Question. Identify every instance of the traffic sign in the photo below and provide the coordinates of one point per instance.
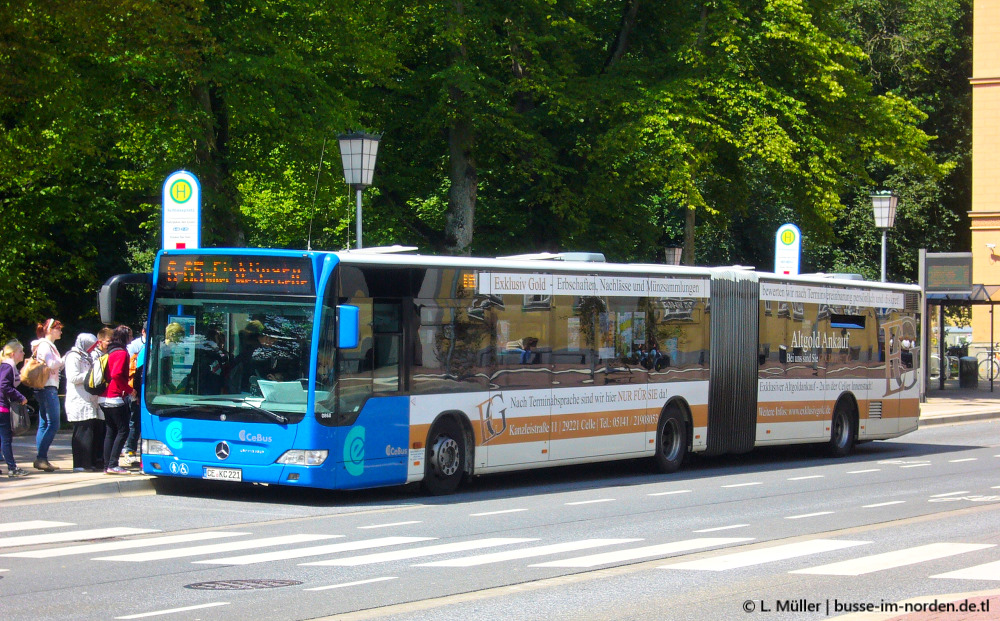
(787, 250)
(181, 211)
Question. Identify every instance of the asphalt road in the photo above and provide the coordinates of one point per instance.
(781, 533)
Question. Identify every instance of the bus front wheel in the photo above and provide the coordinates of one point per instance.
(444, 464)
(671, 441)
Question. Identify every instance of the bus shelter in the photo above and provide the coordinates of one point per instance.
(979, 295)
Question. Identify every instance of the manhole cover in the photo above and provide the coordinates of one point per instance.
(241, 585)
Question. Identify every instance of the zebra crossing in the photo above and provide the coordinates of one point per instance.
(817, 556)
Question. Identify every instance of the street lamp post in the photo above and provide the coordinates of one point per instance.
(673, 255)
(358, 151)
(884, 205)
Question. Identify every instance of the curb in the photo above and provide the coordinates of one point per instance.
(947, 419)
(138, 486)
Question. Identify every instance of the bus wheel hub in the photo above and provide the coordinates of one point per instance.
(444, 456)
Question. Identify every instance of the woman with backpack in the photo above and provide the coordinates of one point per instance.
(49, 416)
(81, 407)
(113, 402)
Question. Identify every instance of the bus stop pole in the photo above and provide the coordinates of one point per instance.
(942, 361)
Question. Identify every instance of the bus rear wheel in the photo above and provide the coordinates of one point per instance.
(671, 441)
(444, 464)
(842, 436)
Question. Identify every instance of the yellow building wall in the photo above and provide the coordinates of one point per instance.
(985, 214)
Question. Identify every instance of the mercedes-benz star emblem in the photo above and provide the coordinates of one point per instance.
(222, 450)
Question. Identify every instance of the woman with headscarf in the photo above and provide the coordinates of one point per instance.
(82, 409)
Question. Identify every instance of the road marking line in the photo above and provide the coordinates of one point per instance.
(914, 466)
(388, 525)
(589, 502)
(987, 571)
(712, 530)
(676, 491)
(31, 524)
(121, 545)
(891, 560)
(173, 610)
(485, 513)
(333, 548)
(863, 471)
(399, 555)
(956, 461)
(807, 515)
(217, 547)
(812, 476)
(884, 504)
(744, 484)
(664, 549)
(950, 494)
(3, 570)
(76, 535)
(766, 555)
(350, 584)
(498, 557)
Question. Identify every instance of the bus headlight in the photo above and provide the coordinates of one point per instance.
(153, 447)
(303, 458)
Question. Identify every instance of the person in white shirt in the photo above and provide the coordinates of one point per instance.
(49, 415)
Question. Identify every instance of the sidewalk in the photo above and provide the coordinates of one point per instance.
(942, 407)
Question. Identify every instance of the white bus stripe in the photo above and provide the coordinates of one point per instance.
(676, 491)
(76, 535)
(485, 513)
(712, 530)
(987, 571)
(31, 525)
(122, 545)
(214, 548)
(333, 548)
(350, 584)
(498, 557)
(807, 515)
(766, 555)
(173, 610)
(399, 555)
(890, 560)
(632, 554)
(390, 524)
(884, 504)
(589, 502)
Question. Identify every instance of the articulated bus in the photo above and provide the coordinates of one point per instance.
(359, 369)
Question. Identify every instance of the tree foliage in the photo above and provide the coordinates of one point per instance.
(620, 126)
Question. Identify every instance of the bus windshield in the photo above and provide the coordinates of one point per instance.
(210, 356)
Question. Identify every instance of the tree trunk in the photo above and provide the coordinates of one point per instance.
(220, 221)
(620, 44)
(687, 255)
(459, 221)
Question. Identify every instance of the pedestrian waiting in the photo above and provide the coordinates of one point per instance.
(116, 410)
(12, 354)
(49, 415)
(82, 408)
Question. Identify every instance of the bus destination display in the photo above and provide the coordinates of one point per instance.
(237, 274)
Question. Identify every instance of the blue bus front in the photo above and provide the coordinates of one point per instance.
(239, 381)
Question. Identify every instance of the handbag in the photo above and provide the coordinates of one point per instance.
(20, 419)
(34, 373)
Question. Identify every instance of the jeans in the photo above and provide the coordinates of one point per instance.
(6, 440)
(48, 420)
(134, 425)
(116, 419)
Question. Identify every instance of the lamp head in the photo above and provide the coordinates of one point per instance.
(991, 246)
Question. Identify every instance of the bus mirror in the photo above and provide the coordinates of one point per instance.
(348, 327)
(107, 298)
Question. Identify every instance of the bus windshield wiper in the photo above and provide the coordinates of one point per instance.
(272, 415)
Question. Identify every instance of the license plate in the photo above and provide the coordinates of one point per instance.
(223, 474)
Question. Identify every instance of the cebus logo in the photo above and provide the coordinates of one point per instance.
(354, 452)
